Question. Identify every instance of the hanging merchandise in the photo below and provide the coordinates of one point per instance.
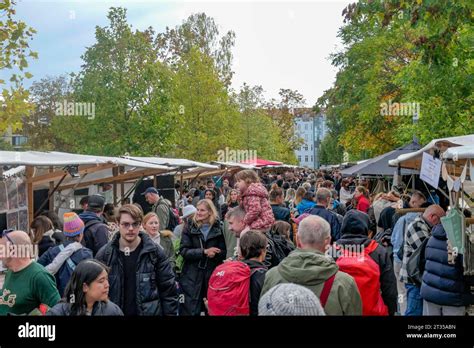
(452, 224)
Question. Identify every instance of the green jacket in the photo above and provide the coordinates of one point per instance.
(161, 209)
(311, 269)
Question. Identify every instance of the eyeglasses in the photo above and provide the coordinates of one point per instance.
(127, 225)
(5, 234)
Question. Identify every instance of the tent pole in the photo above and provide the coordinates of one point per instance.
(29, 192)
(51, 189)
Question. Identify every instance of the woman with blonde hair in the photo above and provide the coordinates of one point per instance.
(203, 249)
(151, 225)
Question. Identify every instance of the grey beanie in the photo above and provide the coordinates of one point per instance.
(289, 299)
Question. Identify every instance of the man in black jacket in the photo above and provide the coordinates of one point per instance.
(96, 233)
(141, 279)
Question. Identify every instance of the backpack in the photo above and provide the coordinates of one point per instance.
(173, 218)
(228, 293)
(366, 273)
(416, 264)
(280, 246)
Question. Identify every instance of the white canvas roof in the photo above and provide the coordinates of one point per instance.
(57, 159)
(173, 162)
(412, 160)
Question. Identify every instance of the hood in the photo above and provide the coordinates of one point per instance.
(256, 189)
(355, 222)
(307, 267)
(354, 239)
(88, 216)
(439, 232)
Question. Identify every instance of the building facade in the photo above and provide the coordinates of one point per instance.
(312, 129)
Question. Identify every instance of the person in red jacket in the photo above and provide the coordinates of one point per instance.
(360, 196)
(258, 212)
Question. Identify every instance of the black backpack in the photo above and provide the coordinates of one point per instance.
(172, 218)
(416, 264)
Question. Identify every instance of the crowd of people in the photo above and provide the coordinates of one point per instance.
(304, 242)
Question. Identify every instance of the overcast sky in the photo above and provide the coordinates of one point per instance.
(279, 44)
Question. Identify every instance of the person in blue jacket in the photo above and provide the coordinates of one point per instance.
(61, 260)
(307, 202)
(444, 289)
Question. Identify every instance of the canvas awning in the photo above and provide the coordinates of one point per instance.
(378, 166)
(413, 160)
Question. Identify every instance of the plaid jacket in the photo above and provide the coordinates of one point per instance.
(415, 234)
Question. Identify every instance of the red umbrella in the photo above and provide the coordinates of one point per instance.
(259, 162)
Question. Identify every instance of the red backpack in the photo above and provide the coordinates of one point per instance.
(366, 274)
(229, 289)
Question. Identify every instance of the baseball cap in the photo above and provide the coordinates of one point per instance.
(151, 190)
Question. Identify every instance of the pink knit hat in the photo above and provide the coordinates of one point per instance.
(73, 225)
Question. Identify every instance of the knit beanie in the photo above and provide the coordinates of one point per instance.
(289, 299)
(73, 225)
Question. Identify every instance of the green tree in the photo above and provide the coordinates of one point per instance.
(260, 132)
(206, 120)
(130, 89)
(200, 32)
(14, 54)
(45, 94)
(401, 52)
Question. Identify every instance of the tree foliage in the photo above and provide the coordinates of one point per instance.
(14, 54)
(401, 52)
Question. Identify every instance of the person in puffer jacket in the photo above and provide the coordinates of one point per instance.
(444, 288)
(255, 202)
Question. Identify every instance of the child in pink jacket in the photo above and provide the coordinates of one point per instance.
(259, 214)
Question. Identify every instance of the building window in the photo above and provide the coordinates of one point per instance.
(299, 158)
(18, 140)
(306, 126)
(311, 158)
(311, 147)
(306, 147)
(306, 158)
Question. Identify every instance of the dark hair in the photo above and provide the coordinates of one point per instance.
(252, 243)
(210, 181)
(84, 200)
(211, 191)
(281, 228)
(109, 212)
(309, 195)
(40, 224)
(275, 193)
(286, 185)
(85, 273)
(279, 182)
(54, 219)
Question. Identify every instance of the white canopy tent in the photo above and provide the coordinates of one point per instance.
(64, 171)
(413, 160)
